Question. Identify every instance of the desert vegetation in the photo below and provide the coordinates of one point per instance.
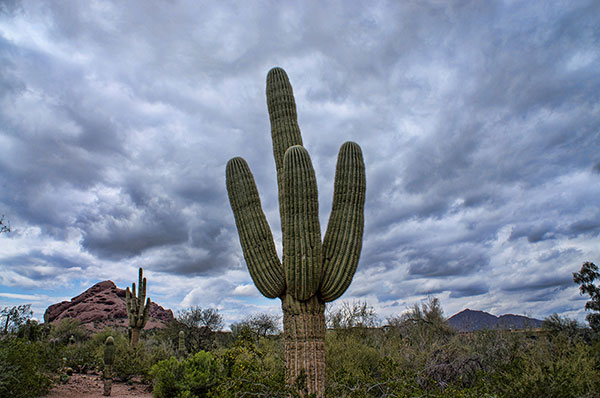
(414, 354)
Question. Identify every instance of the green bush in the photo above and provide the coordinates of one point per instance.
(24, 368)
(168, 378)
(190, 378)
(549, 367)
(81, 356)
(67, 327)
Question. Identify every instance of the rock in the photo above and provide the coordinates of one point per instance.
(103, 305)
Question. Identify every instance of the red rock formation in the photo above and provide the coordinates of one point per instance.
(103, 305)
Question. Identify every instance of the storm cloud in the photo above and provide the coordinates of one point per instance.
(478, 123)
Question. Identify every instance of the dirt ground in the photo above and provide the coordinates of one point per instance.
(91, 386)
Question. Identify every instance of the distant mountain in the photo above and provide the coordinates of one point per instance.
(471, 320)
(103, 305)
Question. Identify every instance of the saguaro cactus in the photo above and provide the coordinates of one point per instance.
(109, 358)
(137, 312)
(312, 272)
(181, 348)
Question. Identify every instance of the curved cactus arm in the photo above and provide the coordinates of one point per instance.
(302, 233)
(284, 121)
(343, 239)
(132, 304)
(128, 304)
(253, 229)
(143, 319)
(142, 290)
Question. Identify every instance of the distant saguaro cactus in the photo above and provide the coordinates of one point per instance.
(181, 348)
(313, 272)
(109, 358)
(137, 312)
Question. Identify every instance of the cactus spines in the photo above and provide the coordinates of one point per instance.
(109, 358)
(137, 312)
(301, 232)
(253, 229)
(343, 240)
(312, 271)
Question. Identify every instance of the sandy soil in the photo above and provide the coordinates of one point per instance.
(91, 386)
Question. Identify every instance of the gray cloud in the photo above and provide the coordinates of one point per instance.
(478, 125)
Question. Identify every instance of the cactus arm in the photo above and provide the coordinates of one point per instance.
(253, 229)
(128, 303)
(142, 292)
(134, 301)
(146, 314)
(302, 233)
(141, 297)
(343, 239)
(284, 121)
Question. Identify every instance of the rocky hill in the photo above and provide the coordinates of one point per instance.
(103, 305)
(471, 320)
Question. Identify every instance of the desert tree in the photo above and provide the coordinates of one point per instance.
(261, 324)
(4, 225)
(199, 325)
(15, 317)
(585, 279)
(357, 314)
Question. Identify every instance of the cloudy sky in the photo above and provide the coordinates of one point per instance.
(479, 124)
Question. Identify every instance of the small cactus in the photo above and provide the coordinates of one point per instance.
(181, 350)
(137, 312)
(109, 358)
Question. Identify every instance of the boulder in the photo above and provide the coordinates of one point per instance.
(103, 305)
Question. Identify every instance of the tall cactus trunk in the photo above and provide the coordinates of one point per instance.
(135, 337)
(304, 339)
(107, 380)
(109, 358)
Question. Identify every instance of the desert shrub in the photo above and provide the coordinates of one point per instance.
(129, 362)
(24, 368)
(81, 356)
(343, 349)
(254, 366)
(168, 378)
(31, 330)
(549, 367)
(62, 331)
(191, 377)
(150, 352)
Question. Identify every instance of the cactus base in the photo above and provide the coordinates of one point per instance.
(304, 339)
(135, 337)
(107, 376)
